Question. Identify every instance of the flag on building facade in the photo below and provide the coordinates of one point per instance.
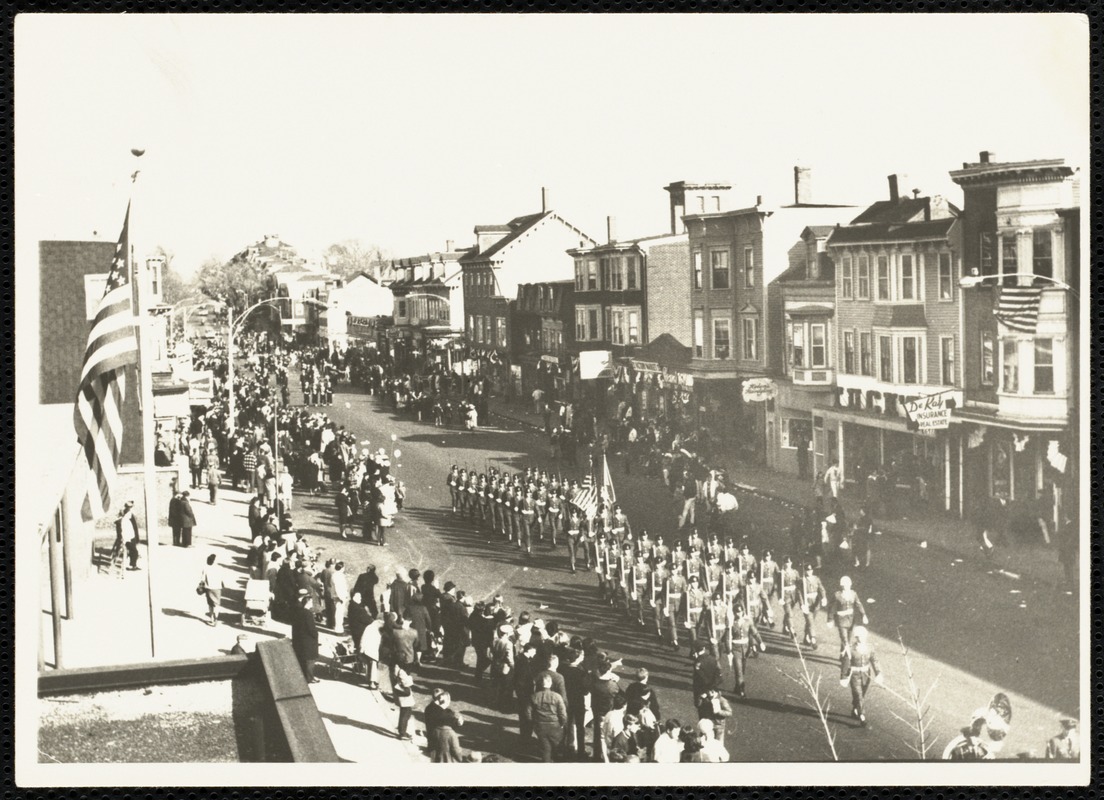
(112, 346)
(1018, 307)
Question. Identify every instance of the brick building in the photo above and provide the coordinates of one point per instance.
(543, 337)
(897, 336)
(1021, 232)
(428, 312)
(527, 249)
(734, 255)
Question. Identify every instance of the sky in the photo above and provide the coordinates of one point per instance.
(407, 131)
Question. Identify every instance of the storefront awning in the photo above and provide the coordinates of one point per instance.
(1016, 424)
(868, 420)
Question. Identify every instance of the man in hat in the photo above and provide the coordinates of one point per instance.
(502, 665)
(844, 608)
(187, 519)
(811, 595)
(174, 517)
(746, 641)
(1066, 745)
(857, 666)
(788, 579)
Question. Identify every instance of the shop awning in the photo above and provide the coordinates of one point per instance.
(810, 311)
(889, 423)
(1017, 424)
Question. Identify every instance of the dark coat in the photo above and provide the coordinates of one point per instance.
(707, 675)
(174, 513)
(187, 516)
(304, 634)
(359, 619)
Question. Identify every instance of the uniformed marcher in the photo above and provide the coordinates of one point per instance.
(661, 553)
(753, 596)
(452, 480)
(693, 604)
(768, 570)
(713, 574)
(788, 579)
(619, 525)
(845, 606)
(575, 538)
(554, 515)
(812, 596)
(746, 641)
(674, 600)
(857, 666)
(658, 593)
(528, 521)
(639, 582)
(716, 625)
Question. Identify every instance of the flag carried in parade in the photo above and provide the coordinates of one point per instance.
(1018, 307)
(590, 495)
(112, 346)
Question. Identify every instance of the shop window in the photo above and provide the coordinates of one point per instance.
(1044, 366)
(1010, 366)
(1042, 259)
(1001, 468)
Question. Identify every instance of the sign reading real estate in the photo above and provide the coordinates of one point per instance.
(932, 412)
(759, 390)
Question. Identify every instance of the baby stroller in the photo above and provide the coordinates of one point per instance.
(257, 599)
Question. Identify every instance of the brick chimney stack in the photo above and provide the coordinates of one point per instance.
(611, 229)
(803, 185)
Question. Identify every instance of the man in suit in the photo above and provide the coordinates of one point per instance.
(187, 519)
(174, 518)
(304, 635)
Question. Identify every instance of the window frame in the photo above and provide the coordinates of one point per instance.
(749, 344)
(913, 281)
(988, 261)
(1036, 366)
(947, 359)
(944, 277)
(797, 361)
(886, 281)
(697, 267)
(885, 348)
(592, 275)
(862, 279)
(1009, 245)
(918, 365)
(866, 354)
(847, 278)
(632, 274)
(1047, 235)
(823, 326)
(1010, 347)
(749, 267)
(699, 333)
(714, 271)
(988, 357)
(726, 322)
(849, 352)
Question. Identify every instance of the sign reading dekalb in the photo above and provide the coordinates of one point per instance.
(759, 390)
(932, 412)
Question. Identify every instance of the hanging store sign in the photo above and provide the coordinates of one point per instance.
(547, 359)
(932, 412)
(595, 364)
(645, 367)
(364, 322)
(759, 390)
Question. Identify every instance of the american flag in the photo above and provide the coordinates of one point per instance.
(112, 346)
(590, 495)
(1018, 307)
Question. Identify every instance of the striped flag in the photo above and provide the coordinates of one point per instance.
(1018, 307)
(609, 496)
(590, 495)
(112, 346)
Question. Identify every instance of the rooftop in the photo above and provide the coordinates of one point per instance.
(890, 232)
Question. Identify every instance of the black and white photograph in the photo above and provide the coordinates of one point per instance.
(564, 399)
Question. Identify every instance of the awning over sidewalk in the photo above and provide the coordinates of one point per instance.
(1018, 424)
(869, 420)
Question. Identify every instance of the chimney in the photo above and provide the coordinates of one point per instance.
(544, 200)
(987, 156)
(896, 183)
(611, 229)
(758, 200)
(448, 245)
(803, 185)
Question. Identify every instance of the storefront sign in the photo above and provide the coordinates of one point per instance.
(759, 390)
(364, 322)
(645, 367)
(550, 359)
(932, 412)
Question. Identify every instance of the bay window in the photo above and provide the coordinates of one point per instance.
(818, 349)
(1044, 366)
(910, 359)
(1010, 366)
(797, 348)
(1042, 258)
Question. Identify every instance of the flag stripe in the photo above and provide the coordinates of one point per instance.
(1018, 307)
(97, 416)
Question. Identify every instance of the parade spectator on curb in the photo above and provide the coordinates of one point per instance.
(502, 666)
(339, 597)
(214, 478)
(604, 689)
(442, 723)
(548, 716)
(625, 746)
(187, 519)
(175, 518)
(369, 647)
(365, 585)
(668, 747)
(712, 748)
(713, 707)
(403, 689)
(575, 686)
(304, 635)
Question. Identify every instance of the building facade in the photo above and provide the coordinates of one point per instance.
(543, 337)
(527, 249)
(734, 255)
(428, 310)
(359, 297)
(1021, 259)
(898, 338)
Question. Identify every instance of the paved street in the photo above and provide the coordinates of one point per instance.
(968, 630)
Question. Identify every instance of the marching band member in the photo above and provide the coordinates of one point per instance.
(788, 579)
(767, 573)
(857, 664)
(811, 595)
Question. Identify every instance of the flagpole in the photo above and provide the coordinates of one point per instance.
(145, 382)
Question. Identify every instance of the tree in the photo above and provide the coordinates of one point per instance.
(353, 256)
(238, 282)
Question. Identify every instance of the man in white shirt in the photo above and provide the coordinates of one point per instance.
(668, 747)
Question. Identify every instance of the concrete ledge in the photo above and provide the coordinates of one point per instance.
(127, 676)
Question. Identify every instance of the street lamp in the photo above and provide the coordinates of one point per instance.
(973, 280)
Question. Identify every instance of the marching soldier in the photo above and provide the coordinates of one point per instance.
(731, 551)
(811, 595)
(716, 548)
(661, 553)
(845, 605)
(755, 599)
(788, 579)
(745, 641)
(604, 569)
(528, 520)
(767, 573)
(496, 505)
(575, 538)
(486, 499)
(657, 591)
(461, 490)
(645, 544)
(732, 584)
(481, 498)
(714, 573)
(452, 480)
(694, 565)
(472, 489)
(542, 509)
(619, 525)
(693, 604)
(554, 515)
(639, 583)
(716, 624)
(745, 560)
(675, 590)
(857, 665)
(695, 542)
(678, 560)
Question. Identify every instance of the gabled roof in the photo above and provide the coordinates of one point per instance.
(800, 272)
(664, 349)
(513, 229)
(935, 229)
(901, 210)
(819, 231)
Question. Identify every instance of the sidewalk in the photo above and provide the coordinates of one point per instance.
(930, 530)
(111, 625)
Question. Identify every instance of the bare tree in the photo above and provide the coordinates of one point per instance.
(238, 282)
(352, 256)
(811, 684)
(921, 710)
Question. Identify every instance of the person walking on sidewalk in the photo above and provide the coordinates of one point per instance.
(214, 478)
(403, 688)
(212, 581)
